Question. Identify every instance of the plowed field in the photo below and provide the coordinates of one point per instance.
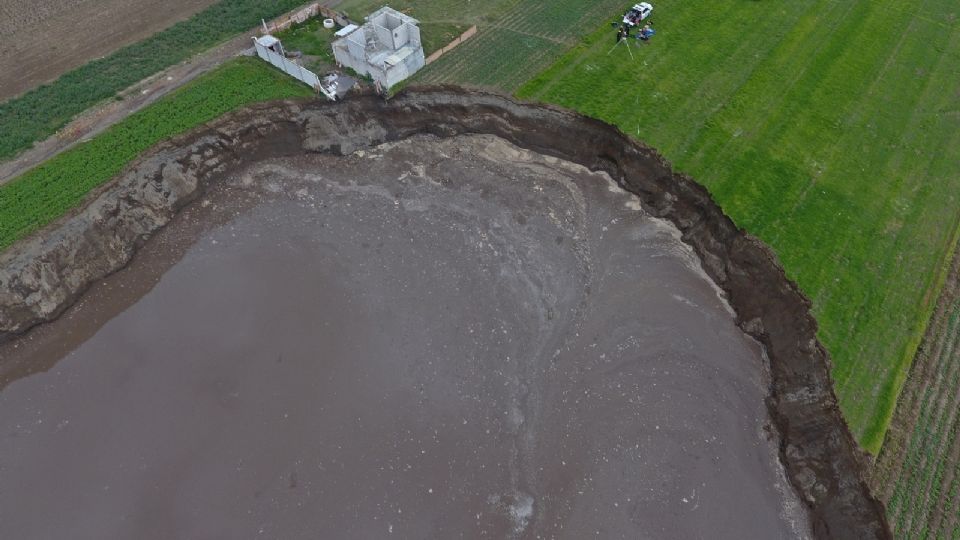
(42, 39)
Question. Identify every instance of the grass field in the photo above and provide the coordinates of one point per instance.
(925, 501)
(45, 193)
(516, 39)
(830, 129)
(39, 113)
(918, 470)
(313, 40)
(519, 40)
(309, 38)
(432, 11)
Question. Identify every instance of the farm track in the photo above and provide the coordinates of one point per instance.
(43, 39)
(98, 119)
(918, 471)
(146, 92)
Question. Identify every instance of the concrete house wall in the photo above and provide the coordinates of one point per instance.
(387, 47)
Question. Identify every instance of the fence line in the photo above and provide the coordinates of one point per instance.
(303, 15)
(453, 44)
(293, 69)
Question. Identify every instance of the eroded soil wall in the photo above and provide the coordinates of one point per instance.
(42, 275)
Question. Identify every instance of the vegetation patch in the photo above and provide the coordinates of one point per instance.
(311, 39)
(918, 470)
(48, 191)
(830, 130)
(437, 35)
(516, 40)
(430, 11)
(39, 113)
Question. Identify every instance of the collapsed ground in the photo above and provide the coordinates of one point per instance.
(452, 332)
(746, 109)
(45, 273)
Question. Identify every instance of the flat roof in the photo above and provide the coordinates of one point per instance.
(346, 30)
(267, 40)
(398, 56)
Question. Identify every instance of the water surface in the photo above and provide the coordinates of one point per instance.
(434, 339)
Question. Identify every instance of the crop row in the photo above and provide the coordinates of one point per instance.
(46, 192)
(39, 113)
(523, 40)
(497, 58)
(790, 127)
(562, 20)
(924, 501)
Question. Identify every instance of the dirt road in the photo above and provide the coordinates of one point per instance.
(145, 92)
(99, 118)
(43, 39)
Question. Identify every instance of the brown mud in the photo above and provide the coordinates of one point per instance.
(42, 276)
(439, 336)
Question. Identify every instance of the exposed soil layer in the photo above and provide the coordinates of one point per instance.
(434, 338)
(43, 39)
(44, 274)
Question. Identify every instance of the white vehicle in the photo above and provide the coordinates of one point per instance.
(637, 13)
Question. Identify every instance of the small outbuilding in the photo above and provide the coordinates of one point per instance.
(387, 47)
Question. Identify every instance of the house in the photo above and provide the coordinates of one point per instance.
(387, 47)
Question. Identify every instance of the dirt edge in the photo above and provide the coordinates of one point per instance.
(44, 274)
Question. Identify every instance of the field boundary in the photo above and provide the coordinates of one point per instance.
(39, 113)
(918, 457)
(100, 116)
(302, 15)
(46, 193)
(469, 33)
(290, 67)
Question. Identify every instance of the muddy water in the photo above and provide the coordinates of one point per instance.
(435, 339)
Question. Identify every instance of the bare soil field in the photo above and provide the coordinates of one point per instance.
(42, 39)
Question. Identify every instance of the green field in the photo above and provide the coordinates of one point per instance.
(831, 130)
(440, 20)
(39, 113)
(310, 38)
(313, 40)
(518, 40)
(918, 470)
(48, 191)
(431, 11)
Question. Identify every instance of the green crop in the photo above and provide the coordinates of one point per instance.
(517, 40)
(39, 113)
(827, 128)
(46, 192)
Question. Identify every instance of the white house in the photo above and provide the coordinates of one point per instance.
(387, 47)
